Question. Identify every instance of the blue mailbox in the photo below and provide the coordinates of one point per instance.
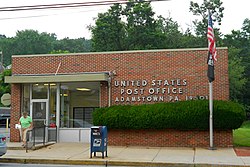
(99, 140)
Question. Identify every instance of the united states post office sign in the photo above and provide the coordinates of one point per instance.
(153, 91)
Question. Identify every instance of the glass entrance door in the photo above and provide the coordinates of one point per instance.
(39, 113)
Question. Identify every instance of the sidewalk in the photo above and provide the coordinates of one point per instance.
(79, 153)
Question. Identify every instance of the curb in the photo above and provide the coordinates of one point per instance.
(107, 163)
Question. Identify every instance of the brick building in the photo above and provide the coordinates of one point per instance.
(64, 89)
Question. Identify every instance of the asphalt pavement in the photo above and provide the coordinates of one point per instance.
(79, 154)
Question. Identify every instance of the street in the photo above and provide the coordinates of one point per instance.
(47, 165)
(42, 165)
(33, 165)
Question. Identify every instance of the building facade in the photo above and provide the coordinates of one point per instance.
(64, 89)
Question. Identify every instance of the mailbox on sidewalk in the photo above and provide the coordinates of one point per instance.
(99, 140)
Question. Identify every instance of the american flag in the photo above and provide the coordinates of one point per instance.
(211, 38)
(211, 49)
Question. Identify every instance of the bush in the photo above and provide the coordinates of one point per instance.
(183, 115)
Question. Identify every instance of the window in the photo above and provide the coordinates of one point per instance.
(77, 102)
(26, 98)
(39, 91)
(82, 117)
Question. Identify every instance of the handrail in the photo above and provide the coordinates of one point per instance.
(40, 135)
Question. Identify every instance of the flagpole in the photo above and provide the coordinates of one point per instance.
(211, 144)
(210, 74)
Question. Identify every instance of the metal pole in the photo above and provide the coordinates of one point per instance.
(58, 110)
(211, 115)
(109, 90)
(7, 125)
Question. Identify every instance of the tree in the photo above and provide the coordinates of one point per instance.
(72, 45)
(109, 32)
(237, 78)
(168, 33)
(7, 47)
(33, 42)
(216, 10)
(246, 28)
(133, 27)
(246, 58)
(4, 87)
(240, 39)
(191, 41)
(141, 26)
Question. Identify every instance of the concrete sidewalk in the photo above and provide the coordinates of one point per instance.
(79, 153)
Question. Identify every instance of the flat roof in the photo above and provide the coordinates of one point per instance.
(119, 52)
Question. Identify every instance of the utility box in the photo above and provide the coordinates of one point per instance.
(99, 140)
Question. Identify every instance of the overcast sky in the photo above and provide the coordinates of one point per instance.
(73, 22)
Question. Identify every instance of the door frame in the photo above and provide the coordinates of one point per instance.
(42, 101)
(46, 101)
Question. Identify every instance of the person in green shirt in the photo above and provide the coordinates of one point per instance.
(26, 124)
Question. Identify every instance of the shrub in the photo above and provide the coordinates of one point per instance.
(183, 115)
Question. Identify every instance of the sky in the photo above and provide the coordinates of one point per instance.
(73, 22)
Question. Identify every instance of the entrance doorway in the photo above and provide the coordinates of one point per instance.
(39, 114)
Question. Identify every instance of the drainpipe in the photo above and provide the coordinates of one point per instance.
(109, 87)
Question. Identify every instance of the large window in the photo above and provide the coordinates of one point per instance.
(78, 101)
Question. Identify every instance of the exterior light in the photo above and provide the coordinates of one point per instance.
(83, 89)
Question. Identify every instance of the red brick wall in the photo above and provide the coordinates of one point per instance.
(15, 111)
(184, 64)
(104, 94)
(168, 138)
(189, 65)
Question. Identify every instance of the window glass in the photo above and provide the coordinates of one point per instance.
(78, 101)
(82, 117)
(26, 98)
(52, 105)
(39, 91)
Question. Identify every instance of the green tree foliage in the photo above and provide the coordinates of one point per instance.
(246, 59)
(109, 32)
(26, 42)
(191, 41)
(168, 34)
(141, 26)
(59, 52)
(240, 39)
(216, 10)
(7, 47)
(129, 28)
(238, 43)
(237, 78)
(33, 42)
(4, 87)
(72, 45)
